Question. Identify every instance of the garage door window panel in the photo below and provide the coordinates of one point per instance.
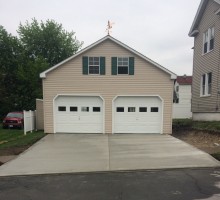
(62, 108)
(120, 109)
(84, 109)
(131, 109)
(73, 109)
(142, 109)
(154, 109)
(96, 109)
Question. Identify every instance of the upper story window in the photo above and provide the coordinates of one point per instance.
(94, 65)
(208, 40)
(122, 65)
(206, 84)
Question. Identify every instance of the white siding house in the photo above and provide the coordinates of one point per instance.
(182, 100)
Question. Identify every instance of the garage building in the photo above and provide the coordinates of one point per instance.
(108, 88)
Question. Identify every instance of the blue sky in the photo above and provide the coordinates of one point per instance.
(158, 29)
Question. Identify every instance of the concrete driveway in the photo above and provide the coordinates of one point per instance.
(66, 153)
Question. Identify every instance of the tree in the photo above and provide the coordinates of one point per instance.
(38, 47)
(11, 53)
(29, 83)
(48, 40)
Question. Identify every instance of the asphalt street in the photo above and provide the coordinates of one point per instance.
(181, 184)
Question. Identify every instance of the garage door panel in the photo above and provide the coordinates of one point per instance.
(82, 114)
(145, 115)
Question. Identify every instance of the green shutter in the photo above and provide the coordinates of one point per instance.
(131, 65)
(85, 65)
(102, 65)
(114, 65)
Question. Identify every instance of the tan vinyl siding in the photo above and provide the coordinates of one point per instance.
(206, 63)
(39, 114)
(147, 80)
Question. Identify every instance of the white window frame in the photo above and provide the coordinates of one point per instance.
(206, 88)
(93, 65)
(122, 64)
(208, 35)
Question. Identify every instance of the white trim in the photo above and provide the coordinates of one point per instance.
(173, 76)
(78, 95)
(194, 33)
(113, 106)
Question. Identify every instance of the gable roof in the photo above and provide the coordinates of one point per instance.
(184, 80)
(108, 37)
(202, 6)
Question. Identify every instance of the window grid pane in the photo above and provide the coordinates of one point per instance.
(208, 40)
(94, 65)
(206, 84)
(123, 64)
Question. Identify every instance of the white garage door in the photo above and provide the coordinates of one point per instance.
(78, 114)
(137, 115)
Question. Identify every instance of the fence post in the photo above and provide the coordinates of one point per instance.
(31, 124)
(24, 122)
(35, 120)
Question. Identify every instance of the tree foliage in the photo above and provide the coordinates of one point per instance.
(10, 57)
(37, 47)
(48, 40)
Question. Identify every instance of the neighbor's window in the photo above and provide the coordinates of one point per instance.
(206, 84)
(94, 65)
(123, 63)
(208, 40)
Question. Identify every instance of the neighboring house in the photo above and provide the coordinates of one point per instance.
(206, 61)
(182, 97)
(108, 87)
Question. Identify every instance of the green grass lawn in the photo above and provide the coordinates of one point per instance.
(196, 125)
(10, 138)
